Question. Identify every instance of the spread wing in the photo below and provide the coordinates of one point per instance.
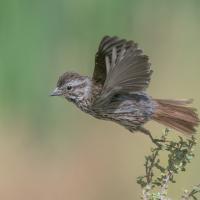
(120, 67)
(105, 50)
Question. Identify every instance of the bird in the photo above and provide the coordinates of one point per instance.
(117, 91)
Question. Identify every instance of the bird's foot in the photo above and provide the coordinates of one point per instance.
(157, 142)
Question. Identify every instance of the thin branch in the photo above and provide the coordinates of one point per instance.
(187, 195)
(180, 153)
(164, 186)
(145, 194)
(149, 168)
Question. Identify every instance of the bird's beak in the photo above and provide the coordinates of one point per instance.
(56, 92)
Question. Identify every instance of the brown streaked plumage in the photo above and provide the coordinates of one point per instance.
(116, 92)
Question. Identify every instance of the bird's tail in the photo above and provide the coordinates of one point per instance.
(177, 115)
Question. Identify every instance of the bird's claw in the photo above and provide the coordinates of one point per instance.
(158, 142)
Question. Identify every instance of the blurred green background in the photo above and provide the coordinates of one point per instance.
(48, 148)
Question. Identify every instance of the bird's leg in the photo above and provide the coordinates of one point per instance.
(147, 132)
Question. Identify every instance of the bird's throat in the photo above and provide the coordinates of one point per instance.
(90, 93)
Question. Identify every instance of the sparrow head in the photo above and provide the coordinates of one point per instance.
(72, 86)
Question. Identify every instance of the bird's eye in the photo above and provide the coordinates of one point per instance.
(69, 87)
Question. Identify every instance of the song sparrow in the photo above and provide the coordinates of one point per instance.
(116, 91)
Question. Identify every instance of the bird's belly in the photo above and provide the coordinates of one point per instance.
(129, 113)
(125, 119)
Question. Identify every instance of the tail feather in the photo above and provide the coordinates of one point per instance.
(177, 115)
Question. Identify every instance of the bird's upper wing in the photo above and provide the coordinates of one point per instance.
(105, 50)
(120, 67)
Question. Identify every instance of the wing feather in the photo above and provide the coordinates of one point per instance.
(120, 67)
(105, 50)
